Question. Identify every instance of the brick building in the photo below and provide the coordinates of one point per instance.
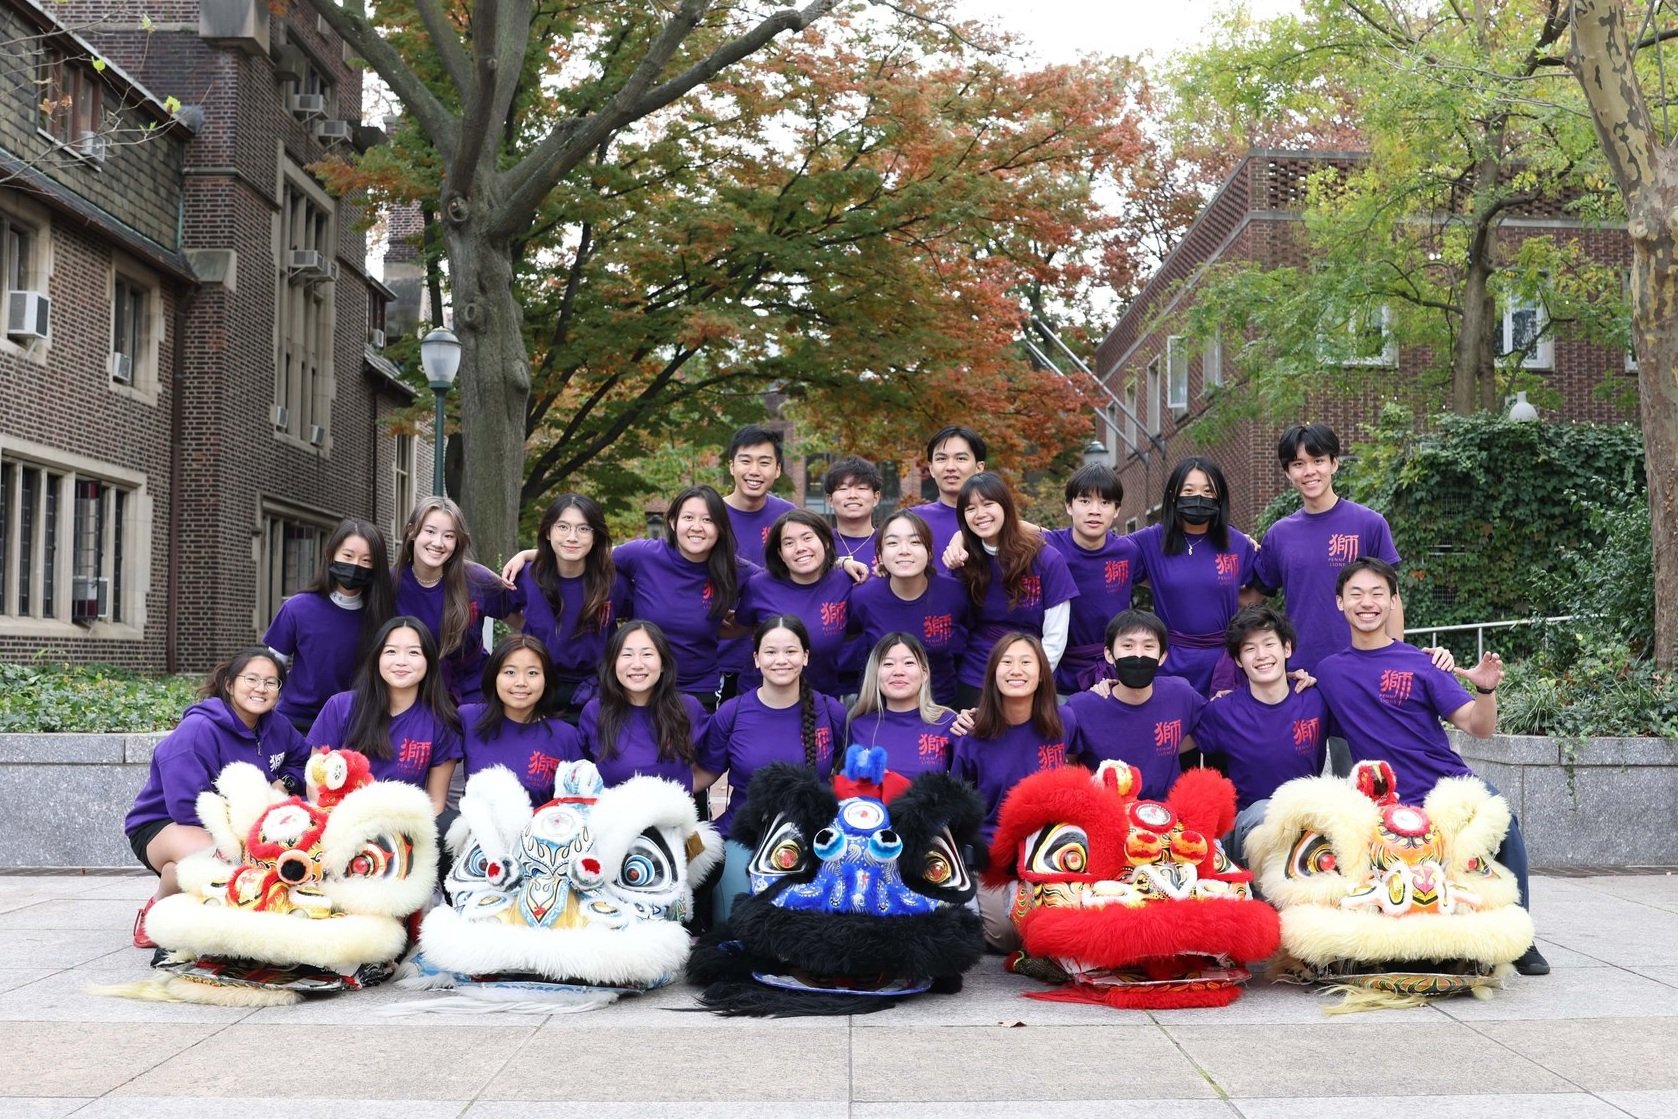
(1162, 376)
(194, 393)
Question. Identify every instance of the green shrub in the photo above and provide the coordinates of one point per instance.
(1596, 696)
(90, 698)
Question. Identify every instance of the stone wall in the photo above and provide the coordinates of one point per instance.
(66, 796)
(1585, 801)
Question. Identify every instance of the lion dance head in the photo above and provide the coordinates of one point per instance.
(1393, 903)
(1124, 901)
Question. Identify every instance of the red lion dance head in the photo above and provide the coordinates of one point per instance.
(1124, 901)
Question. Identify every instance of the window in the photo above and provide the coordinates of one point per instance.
(17, 255)
(1177, 372)
(1371, 339)
(1153, 397)
(128, 330)
(291, 547)
(1212, 364)
(1130, 418)
(65, 539)
(1130, 525)
(1526, 332)
(815, 498)
(312, 79)
(303, 385)
(70, 100)
(403, 496)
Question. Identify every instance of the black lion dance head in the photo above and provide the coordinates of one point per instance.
(859, 893)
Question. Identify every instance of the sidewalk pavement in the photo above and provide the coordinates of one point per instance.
(1597, 1037)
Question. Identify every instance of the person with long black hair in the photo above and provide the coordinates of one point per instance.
(1197, 565)
(800, 577)
(399, 713)
(438, 583)
(321, 633)
(639, 723)
(781, 720)
(572, 596)
(518, 725)
(1015, 582)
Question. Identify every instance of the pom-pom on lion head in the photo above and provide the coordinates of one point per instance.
(1125, 901)
(1376, 895)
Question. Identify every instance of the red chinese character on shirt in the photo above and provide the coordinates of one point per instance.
(932, 747)
(1051, 755)
(1031, 590)
(833, 616)
(765, 539)
(1118, 572)
(1342, 548)
(937, 628)
(1228, 564)
(1168, 736)
(1395, 686)
(1305, 733)
(414, 756)
(709, 592)
(824, 745)
(542, 766)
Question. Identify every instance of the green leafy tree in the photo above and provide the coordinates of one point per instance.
(1457, 120)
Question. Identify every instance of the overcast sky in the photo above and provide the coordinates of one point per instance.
(1064, 29)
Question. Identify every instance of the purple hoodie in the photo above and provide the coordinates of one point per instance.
(208, 738)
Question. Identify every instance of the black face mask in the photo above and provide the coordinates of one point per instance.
(1135, 672)
(1197, 510)
(350, 576)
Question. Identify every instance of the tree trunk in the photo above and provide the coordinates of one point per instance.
(494, 380)
(1654, 302)
(1471, 364)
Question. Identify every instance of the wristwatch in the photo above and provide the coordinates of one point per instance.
(1485, 691)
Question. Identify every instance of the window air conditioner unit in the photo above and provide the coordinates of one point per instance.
(307, 105)
(90, 598)
(94, 146)
(377, 337)
(329, 269)
(282, 418)
(317, 435)
(333, 131)
(122, 368)
(27, 313)
(305, 260)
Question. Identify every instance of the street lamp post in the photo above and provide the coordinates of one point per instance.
(440, 357)
(1097, 454)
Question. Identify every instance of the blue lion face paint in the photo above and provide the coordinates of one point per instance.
(858, 872)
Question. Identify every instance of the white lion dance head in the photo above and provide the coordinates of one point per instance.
(574, 902)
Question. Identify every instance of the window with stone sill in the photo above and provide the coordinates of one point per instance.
(65, 542)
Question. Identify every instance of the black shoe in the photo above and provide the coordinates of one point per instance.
(1532, 962)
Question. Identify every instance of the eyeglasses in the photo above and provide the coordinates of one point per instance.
(579, 531)
(266, 683)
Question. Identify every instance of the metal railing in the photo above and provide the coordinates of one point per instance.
(1480, 629)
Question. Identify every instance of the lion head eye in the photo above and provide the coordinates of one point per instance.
(1312, 854)
(782, 851)
(1059, 849)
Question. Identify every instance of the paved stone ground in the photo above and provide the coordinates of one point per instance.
(1598, 1037)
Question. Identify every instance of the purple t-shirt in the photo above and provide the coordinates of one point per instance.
(1264, 744)
(636, 748)
(1302, 557)
(751, 533)
(1147, 735)
(208, 739)
(575, 649)
(463, 669)
(1049, 584)
(745, 735)
(1103, 580)
(941, 519)
(1388, 702)
(859, 548)
(323, 641)
(853, 658)
(940, 617)
(667, 588)
(533, 751)
(994, 766)
(419, 740)
(1195, 594)
(912, 747)
(823, 607)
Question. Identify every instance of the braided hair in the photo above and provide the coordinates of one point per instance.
(806, 697)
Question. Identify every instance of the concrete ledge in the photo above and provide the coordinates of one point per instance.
(1574, 796)
(66, 796)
